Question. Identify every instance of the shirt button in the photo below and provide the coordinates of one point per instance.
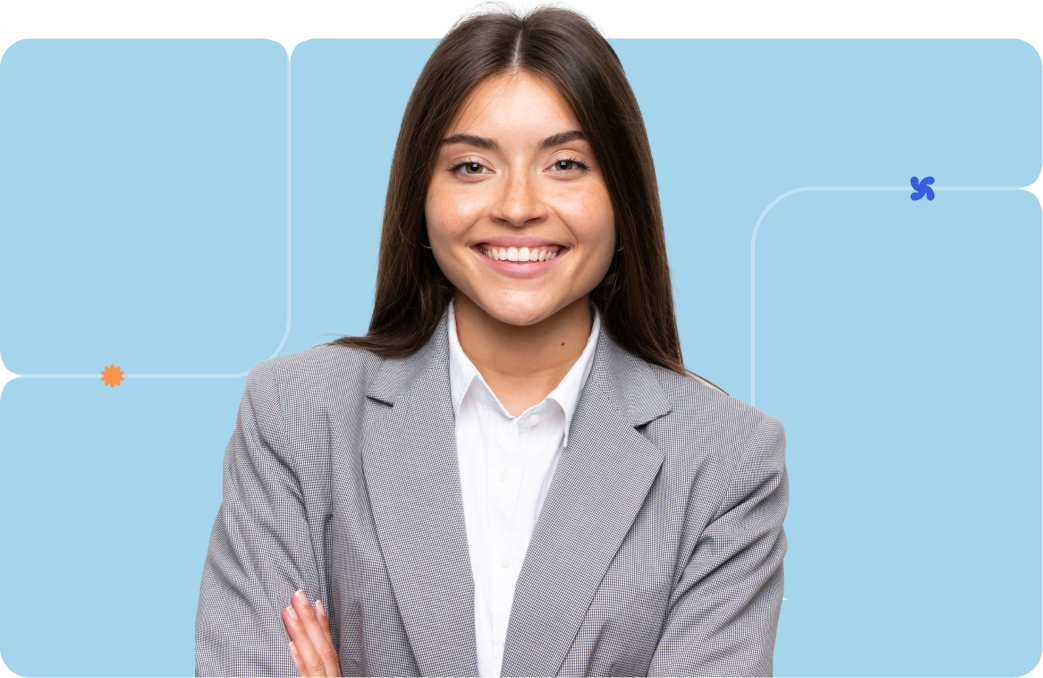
(505, 560)
(504, 475)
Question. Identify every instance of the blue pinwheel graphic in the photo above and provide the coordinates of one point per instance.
(922, 188)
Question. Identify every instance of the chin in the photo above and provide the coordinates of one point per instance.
(519, 313)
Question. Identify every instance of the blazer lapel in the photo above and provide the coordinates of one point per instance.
(410, 464)
(598, 488)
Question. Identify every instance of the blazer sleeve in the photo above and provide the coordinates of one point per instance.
(259, 552)
(725, 608)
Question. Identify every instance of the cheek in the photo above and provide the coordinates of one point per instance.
(589, 215)
(450, 214)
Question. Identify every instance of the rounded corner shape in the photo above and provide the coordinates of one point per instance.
(302, 42)
(270, 42)
(4, 56)
(1039, 60)
(1035, 670)
(6, 670)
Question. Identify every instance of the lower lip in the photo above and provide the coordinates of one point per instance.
(519, 269)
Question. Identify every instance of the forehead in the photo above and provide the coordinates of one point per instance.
(521, 103)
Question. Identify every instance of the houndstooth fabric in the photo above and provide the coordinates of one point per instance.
(658, 551)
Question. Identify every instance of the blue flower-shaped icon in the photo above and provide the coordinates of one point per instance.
(922, 188)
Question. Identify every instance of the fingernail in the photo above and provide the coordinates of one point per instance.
(319, 609)
(300, 596)
(293, 613)
(293, 648)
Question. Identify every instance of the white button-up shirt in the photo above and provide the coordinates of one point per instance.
(506, 467)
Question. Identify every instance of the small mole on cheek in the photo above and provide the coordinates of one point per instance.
(563, 343)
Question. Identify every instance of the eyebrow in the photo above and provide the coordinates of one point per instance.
(482, 142)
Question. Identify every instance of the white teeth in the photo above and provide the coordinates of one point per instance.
(519, 254)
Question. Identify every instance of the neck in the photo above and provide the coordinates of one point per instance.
(522, 364)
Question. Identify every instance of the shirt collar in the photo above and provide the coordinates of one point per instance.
(462, 371)
(463, 375)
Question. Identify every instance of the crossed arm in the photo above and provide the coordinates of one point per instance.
(725, 609)
(260, 549)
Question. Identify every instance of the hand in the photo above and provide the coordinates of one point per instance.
(311, 643)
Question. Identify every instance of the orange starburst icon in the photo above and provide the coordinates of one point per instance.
(112, 375)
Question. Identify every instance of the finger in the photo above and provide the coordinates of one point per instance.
(320, 642)
(291, 629)
(308, 660)
(293, 653)
(324, 620)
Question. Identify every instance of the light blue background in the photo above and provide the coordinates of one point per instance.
(143, 210)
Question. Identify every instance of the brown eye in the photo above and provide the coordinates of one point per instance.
(567, 164)
(473, 168)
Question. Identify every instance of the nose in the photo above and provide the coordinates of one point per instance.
(519, 203)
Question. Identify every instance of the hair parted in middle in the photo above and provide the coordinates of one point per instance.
(635, 297)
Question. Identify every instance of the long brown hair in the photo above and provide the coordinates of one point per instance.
(635, 297)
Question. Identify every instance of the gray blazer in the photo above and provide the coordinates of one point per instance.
(658, 550)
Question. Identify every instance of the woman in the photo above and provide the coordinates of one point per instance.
(512, 473)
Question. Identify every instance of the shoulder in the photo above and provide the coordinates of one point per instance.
(695, 401)
(318, 376)
(710, 430)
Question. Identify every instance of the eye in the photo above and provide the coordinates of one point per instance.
(568, 164)
(469, 167)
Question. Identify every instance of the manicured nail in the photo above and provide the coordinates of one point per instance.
(293, 648)
(293, 613)
(300, 596)
(319, 609)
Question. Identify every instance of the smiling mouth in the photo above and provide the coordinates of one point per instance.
(520, 254)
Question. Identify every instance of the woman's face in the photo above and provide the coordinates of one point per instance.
(518, 213)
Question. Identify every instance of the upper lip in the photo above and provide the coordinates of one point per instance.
(518, 241)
